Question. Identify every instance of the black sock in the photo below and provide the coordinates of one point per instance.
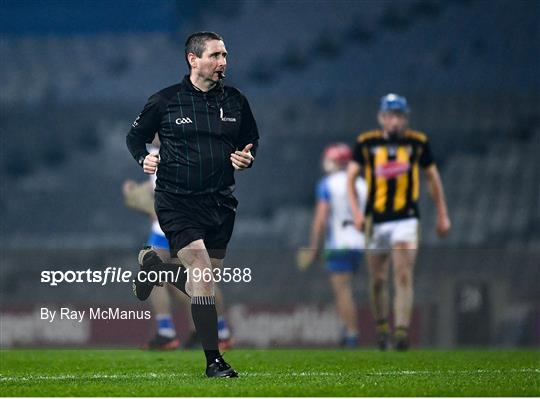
(152, 262)
(182, 275)
(382, 326)
(203, 311)
(401, 332)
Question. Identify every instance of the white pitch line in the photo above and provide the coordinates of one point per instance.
(63, 377)
(90, 377)
(438, 372)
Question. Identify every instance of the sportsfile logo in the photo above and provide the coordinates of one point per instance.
(182, 121)
(113, 274)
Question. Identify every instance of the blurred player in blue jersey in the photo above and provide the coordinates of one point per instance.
(344, 243)
(140, 197)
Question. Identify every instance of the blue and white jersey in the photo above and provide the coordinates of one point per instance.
(341, 233)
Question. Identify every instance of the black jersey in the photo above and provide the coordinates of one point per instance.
(198, 132)
(391, 169)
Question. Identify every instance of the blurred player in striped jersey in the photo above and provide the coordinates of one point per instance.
(343, 244)
(390, 159)
(141, 197)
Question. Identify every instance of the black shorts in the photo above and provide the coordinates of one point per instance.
(185, 219)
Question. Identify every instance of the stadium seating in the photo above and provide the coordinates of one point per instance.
(473, 100)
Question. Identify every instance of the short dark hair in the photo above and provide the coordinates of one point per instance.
(196, 43)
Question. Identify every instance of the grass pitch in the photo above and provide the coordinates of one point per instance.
(270, 373)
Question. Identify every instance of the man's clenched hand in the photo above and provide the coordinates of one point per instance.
(242, 159)
(151, 163)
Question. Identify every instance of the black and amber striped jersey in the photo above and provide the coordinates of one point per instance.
(390, 164)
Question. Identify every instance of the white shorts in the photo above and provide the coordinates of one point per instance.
(386, 234)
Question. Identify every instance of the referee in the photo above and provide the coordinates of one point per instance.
(207, 131)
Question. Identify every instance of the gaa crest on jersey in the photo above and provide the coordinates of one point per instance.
(183, 121)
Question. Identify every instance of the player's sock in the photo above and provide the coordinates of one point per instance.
(165, 325)
(401, 331)
(350, 339)
(180, 283)
(223, 329)
(150, 261)
(383, 332)
(382, 326)
(203, 311)
(401, 338)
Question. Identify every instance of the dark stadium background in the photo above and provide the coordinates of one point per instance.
(74, 75)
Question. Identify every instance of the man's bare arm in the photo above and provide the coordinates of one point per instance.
(353, 171)
(307, 256)
(139, 197)
(318, 225)
(437, 194)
